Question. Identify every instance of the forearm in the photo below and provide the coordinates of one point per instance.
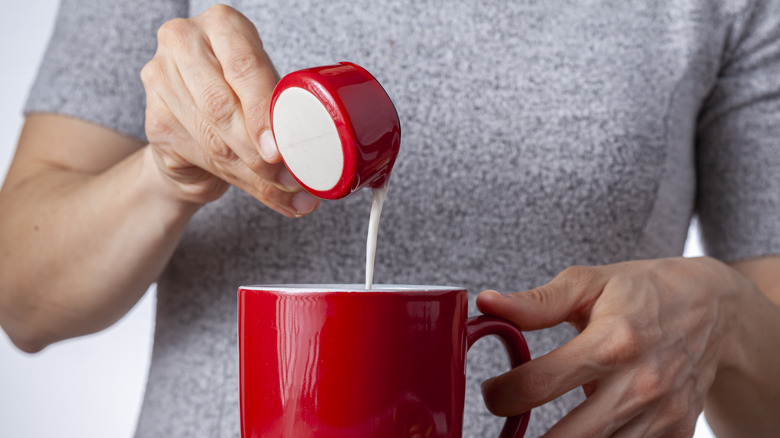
(745, 396)
(80, 249)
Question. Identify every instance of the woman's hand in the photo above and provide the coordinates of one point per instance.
(653, 336)
(208, 91)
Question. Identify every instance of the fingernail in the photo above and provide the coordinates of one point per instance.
(494, 293)
(287, 180)
(304, 202)
(268, 149)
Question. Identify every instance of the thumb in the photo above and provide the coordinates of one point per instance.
(568, 297)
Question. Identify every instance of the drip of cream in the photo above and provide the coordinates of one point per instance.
(377, 200)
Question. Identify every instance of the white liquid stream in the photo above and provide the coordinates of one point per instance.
(377, 200)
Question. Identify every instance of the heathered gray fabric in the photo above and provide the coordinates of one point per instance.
(536, 135)
(92, 67)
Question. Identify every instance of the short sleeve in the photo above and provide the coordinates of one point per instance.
(92, 64)
(738, 142)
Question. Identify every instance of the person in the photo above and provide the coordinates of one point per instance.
(553, 151)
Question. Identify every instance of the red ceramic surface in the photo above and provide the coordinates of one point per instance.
(342, 364)
(365, 118)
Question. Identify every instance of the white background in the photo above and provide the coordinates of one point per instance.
(90, 387)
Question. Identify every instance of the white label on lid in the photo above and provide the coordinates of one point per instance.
(307, 139)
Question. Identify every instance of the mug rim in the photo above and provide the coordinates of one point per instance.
(348, 287)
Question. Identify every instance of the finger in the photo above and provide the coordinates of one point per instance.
(291, 204)
(247, 69)
(546, 378)
(568, 297)
(219, 119)
(169, 117)
(287, 203)
(599, 416)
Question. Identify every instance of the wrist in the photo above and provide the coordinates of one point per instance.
(164, 191)
(734, 294)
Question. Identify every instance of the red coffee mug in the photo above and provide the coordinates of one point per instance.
(340, 361)
(336, 129)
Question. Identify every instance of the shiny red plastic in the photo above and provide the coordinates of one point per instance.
(365, 118)
(360, 364)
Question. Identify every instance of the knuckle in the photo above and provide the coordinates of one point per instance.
(542, 296)
(255, 119)
(625, 281)
(270, 194)
(651, 385)
(219, 105)
(267, 193)
(220, 11)
(216, 149)
(256, 164)
(666, 265)
(174, 31)
(256, 115)
(622, 345)
(158, 123)
(241, 65)
(151, 73)
(224, 17)
(578, 274)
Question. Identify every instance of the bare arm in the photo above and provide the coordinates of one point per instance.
(84, 227)
(745, 396)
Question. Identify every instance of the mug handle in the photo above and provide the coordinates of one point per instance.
(516, 348)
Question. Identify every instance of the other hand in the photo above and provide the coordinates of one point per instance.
(652, 336)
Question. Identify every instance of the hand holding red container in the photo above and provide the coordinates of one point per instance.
(336, 129)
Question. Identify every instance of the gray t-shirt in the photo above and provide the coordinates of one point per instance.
(536, 135)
